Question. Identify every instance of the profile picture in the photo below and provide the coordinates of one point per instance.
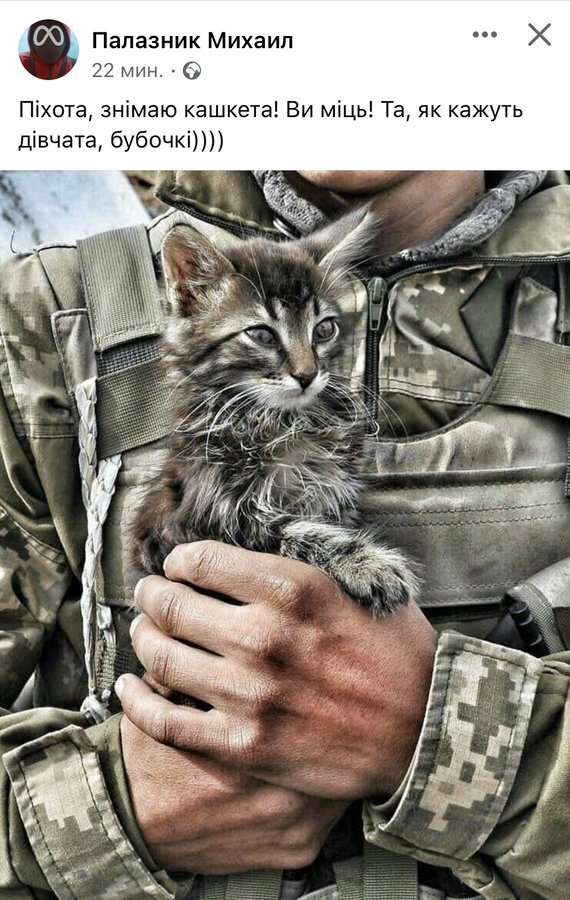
(48, 49)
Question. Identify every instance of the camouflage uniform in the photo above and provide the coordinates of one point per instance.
(471, 484)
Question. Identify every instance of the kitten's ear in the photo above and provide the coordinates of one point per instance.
(352, 240)
(193, 269)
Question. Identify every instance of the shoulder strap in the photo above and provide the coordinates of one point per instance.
(122, 300)
(121, 297)
(121, 291)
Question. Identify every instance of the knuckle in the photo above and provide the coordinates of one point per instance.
(203, 555)
(266, 642)
(289, 589)
(261, 698)
(252, 634)
(246, 742)
(169, 610)
(160, 726)
(295, 595)
(224, 682)
(160, 664)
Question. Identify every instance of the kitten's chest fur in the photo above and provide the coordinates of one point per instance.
(244, 486)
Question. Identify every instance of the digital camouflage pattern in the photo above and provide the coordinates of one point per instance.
(487, 793)
(60, 788)
(467, 762)
(470, 800)
(39, 584)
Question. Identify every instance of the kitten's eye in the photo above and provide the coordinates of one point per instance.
(263, 336)
(325, 330)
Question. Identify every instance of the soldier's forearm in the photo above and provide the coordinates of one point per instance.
(487, 793)
(59, 830)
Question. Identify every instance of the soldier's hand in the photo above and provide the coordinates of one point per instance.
(307, 690)
(198, 816)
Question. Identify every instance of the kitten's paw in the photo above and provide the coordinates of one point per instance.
(150, 550)
(379, 579)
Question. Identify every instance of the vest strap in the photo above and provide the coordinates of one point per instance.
(348, 874)
(534, 374)
(260, 885)
(563, 322)
(388, 875)
(134, 407)
(380, 875)
(214, 888)
(119, 281)
(563, 327)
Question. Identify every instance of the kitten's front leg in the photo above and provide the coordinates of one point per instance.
(377, 577)
(157, 529)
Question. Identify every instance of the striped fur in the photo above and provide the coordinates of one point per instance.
(268, 443)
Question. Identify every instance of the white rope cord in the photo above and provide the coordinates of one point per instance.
(97, 488)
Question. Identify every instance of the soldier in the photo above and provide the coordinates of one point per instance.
(456, 744)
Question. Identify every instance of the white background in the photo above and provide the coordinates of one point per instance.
(411, 52)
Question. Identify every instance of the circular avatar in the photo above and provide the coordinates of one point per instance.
(48, 49)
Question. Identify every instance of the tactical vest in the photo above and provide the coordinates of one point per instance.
(479, 500)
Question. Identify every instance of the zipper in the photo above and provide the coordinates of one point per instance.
(379, 288)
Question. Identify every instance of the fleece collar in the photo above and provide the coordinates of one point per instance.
(471, 229)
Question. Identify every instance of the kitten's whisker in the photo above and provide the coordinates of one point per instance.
(383, 404)
(249, 281)
(253, 259)
(327, 270)
(340, 274)
(227, 405)
(209, 400)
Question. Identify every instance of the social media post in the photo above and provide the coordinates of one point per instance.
(223, 83)
(284, 465)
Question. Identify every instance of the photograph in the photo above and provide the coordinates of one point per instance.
(271, 441)
(284, 453)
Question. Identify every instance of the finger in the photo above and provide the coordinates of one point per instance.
(158, 688)
(165, 722)
(244, 575)
(188, 670)
(184, 613)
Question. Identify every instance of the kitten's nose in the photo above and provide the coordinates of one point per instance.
(305, 378)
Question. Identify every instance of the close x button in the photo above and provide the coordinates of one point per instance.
(539, 34)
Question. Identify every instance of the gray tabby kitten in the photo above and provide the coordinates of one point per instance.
(268, 442)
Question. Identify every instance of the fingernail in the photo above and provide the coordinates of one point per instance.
(165, 563)
(138, 586)
(119, 686)
(134, 624)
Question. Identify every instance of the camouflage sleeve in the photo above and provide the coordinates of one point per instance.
(34, 574)
(488, 789)
(33, 570)
(60, 834)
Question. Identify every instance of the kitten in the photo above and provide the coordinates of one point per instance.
(268, 443)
